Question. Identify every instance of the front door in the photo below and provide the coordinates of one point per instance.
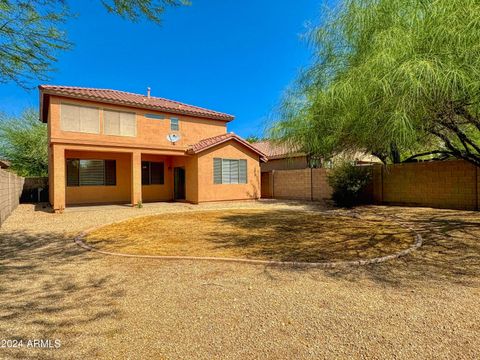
(179, 183)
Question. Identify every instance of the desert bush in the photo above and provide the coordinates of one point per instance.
(348, 183)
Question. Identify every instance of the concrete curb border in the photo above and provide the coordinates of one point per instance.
(417, 243)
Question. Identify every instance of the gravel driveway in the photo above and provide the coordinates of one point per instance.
(425, 305)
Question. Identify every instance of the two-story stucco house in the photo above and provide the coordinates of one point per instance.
(108, 146)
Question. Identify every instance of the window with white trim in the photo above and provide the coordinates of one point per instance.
(77, 118)
(119, 123)
(229, 171)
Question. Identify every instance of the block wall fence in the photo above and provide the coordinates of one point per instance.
(303, 184)
(452, 184)
(11, 187)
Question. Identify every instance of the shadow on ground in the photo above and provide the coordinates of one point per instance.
(44, 297)
(450, 250)
(308, 236)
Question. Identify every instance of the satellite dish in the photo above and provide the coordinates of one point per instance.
(173, 138)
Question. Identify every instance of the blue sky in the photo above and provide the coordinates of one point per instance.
(231, 56)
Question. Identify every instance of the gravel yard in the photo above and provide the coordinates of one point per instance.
(424, 305)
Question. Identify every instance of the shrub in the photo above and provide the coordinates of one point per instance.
(348, 183)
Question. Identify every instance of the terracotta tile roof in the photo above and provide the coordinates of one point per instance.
(134, 100)
(277, 151)
(217, 140)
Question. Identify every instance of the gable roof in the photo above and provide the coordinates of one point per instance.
(220, 139)
(130, 99)
(275, 150)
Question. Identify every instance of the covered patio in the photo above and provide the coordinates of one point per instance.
(102, 176)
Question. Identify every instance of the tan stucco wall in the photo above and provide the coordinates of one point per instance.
(150, 144)
(290, 163)
(120, 193)
(208, 191)
(151, 133)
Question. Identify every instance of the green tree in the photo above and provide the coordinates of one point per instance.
(253, 138)
(399, 78)
(23, 141)
(31, 32)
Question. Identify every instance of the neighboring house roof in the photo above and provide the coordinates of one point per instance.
(125, 98)
(277, 151)
(220, 139)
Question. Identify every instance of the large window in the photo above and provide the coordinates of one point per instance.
(228, 171)
(91, 172)
(152, 173)
(119, 123)
(80, 118)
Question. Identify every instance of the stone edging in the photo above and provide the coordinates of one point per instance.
(418, 242)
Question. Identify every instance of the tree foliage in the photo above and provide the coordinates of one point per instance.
(394, 77)
(31, 32)
(23, 141)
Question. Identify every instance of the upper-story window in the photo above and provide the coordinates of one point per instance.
(119, 123)
(154, 116)
(80, 118)
(174, 124)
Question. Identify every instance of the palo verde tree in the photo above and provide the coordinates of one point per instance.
(31, 32)
(23, 141)
(397, 78)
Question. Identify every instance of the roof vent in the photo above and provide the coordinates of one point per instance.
(148, 92)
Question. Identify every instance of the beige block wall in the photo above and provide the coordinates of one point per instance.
(292, 184)
(300, 184)
(208, 191)
(11, 187)
(321, 188)
(442, 184)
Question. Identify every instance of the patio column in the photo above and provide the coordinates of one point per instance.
(58, 178)
(136, 196)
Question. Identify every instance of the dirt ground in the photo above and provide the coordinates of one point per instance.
(423, 305)
(280, 235)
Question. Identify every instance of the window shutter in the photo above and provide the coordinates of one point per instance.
(72, 172)
(127, 124)
(119, 123)
(89, 120)
(69, 118)
(217, 171)
(92, 172)
(111, 122)
(110, 172)
(242, 164)
(80, 119)
(234, 171)
(225, 171)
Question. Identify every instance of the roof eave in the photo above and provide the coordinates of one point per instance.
(261, 155)
(225, 118)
